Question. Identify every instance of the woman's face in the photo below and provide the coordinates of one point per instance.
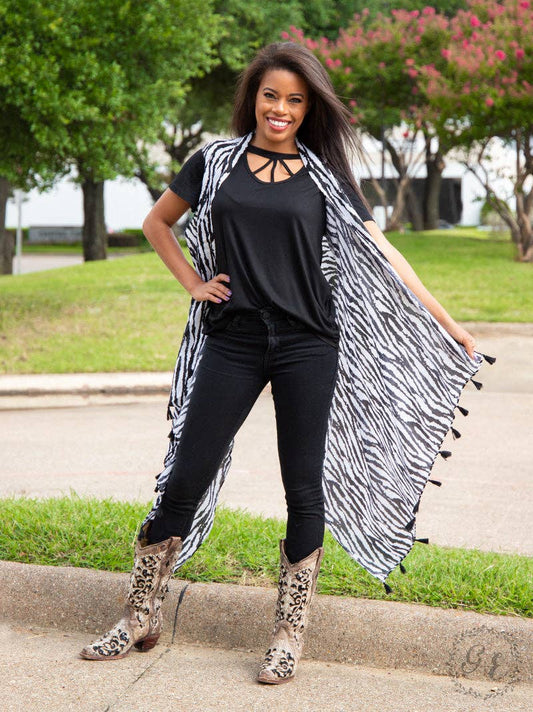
(280, 106)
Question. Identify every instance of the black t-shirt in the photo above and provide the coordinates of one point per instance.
(268, 238)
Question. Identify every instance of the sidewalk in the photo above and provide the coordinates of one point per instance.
(39, 672)
(359, 654)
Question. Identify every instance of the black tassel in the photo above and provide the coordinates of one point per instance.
(410, 524)
(456, 434)
(402, 568)
(435, 482)
(169, 413)
(425, 540)
(477, 384)
(489, 359)
(464, 411)
(388, 589)
(415, 510)
(445, 453)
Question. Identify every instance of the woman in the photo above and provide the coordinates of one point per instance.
(290, 285)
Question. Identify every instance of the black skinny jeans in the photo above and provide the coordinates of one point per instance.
(235, 366)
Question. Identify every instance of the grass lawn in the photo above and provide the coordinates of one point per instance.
(129, 314)
(242, 548)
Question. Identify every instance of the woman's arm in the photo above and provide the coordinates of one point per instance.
(408, 275)
(157, 228)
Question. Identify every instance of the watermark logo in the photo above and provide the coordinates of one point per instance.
(484, 662)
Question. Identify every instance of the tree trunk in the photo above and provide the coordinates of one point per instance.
(395, 222)
(413, 208)
(434, 166)
(94, 229)
(403, 187)
(6, 238)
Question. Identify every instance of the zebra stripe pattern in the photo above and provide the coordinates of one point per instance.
(400, 376)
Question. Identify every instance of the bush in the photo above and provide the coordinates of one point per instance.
(123, 239)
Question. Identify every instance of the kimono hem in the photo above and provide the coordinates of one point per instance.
(399, 379)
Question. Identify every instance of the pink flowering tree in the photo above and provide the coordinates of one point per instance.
(483, 102)
(374, 65)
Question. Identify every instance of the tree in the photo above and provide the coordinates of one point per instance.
(86, 80)
(482, 96)
(151, 50)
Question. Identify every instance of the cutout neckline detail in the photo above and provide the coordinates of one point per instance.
(273, 157)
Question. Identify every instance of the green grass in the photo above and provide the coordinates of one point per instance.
(116, 315)
(129, 314)
(76, 249)
(242, 548)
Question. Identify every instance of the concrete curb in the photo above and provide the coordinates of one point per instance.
(36, 384)
(355, 630)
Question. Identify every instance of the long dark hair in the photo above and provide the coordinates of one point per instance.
(326, 128)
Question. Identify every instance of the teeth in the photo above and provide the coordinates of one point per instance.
(278, 123)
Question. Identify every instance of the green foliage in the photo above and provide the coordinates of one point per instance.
(83, 80)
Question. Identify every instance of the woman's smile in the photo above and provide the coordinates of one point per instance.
(277, 124)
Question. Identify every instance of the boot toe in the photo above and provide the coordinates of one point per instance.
(269, 677)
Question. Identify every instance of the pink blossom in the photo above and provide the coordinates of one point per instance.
(382, 65)
(474, 21)
(412, 72)
(520, 54)
(409, 61)
(489, 101)
(414, 13)
(285, 35)
(428, 10)
(347, 70)
(500, 54)
(405, 134)
(338, 62)
(352, 120)
(446, 53)
(524, 5)
(293, 29)
(329, 62)
(352, 102)
(417, 39)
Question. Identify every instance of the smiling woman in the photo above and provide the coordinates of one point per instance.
(318, 307)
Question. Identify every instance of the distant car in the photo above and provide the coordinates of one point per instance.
(444, 225)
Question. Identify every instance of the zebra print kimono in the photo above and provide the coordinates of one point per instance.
(400, 376)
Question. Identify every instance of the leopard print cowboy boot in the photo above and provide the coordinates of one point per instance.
(296, 586)
(142, 620)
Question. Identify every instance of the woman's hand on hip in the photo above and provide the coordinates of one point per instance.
(213, 290)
